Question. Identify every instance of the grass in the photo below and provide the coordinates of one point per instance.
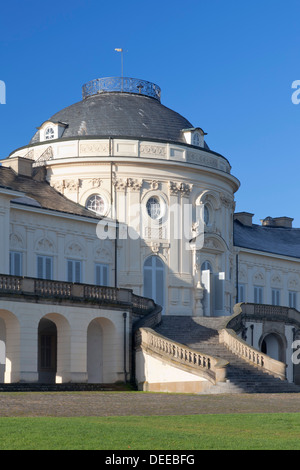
(269, 431)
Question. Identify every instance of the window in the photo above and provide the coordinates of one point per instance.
(196, 139)
(292, 299)
(241, 293)
(101, 274)
(206, 266)
(49, 133)
(96, 204)
(154, 279)
(275, 297)
(258, 294)
(44, 267)
(15, 263)
(206, 215)
(153, 207)
(73, 270)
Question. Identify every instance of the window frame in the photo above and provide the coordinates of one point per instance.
(275, 296)
(101, 267)
(44, 273)
(12, 263)
(47, 131)
(258, 294)
(292, 299)
(75, 264)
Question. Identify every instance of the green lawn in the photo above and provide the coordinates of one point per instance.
(235, 431)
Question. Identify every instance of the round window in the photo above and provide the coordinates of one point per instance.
(49, 133)
(153, 207)
(96, 204)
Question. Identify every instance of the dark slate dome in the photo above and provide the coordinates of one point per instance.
(132, 110)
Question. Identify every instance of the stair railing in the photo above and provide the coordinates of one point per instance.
(179, 355)
(238, 346)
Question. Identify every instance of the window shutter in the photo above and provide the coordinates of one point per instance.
(77, 271)
(70, 271)
(40, 265)
(98, 275)
(48, 267)
(105, 275)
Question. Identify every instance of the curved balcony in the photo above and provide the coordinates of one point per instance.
(121, 85)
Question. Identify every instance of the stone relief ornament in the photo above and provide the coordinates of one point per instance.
(276, 280)
(123, 183)
(258, 278)
(154, 184)
(45, 246)
(174, 188)
(153, 150)
(46, 155)
(134, 184)
(30, 154)
(94, 148)
(58, 185)
(72, 185)
(74, 249)
(95, 182)
(15, 241)
(155, 247)
(180, 188)
(185, 189)
(293, 283)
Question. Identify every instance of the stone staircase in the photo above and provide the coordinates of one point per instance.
(201, 333)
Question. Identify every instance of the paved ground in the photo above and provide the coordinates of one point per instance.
(131, 403)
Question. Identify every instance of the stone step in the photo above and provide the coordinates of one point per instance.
(70, 387)
(201, 334)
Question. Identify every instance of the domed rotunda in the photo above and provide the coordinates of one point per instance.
(119, 149)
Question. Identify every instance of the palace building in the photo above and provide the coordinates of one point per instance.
(123, 258)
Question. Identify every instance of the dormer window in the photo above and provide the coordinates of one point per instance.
(49, 133)
(51, 130)
(194, 136)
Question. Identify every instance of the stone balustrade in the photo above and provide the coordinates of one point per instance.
(238, 346)
(68, 290)
(10, 283)
(181, 356)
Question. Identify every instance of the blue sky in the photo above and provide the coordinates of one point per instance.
(227, 66)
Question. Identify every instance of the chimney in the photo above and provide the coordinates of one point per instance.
(282, 222)
(244, 217)
(20, 165)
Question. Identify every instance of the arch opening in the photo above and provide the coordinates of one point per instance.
(47, 351)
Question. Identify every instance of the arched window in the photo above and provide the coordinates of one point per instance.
(154, 279)
(206, 266)
(206, 215)
(96, 203)
(49, 133)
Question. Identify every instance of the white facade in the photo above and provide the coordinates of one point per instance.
(126, 174)
(161, 224)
